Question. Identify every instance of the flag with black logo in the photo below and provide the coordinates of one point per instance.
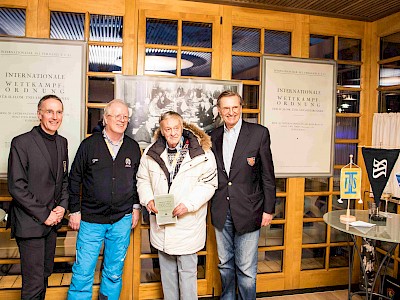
(379, 164)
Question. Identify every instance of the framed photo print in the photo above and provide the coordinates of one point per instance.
(149, 96)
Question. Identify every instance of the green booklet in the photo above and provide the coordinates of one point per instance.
(165, 204)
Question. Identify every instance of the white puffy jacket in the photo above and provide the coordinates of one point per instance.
(194, 185)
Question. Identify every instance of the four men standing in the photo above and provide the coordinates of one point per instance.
(179, 163)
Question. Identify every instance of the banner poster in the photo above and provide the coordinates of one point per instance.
(31, 69)
(298, 107)
(350, 183)
(379, 164)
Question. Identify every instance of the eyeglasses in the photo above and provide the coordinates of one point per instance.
(50, 112)
(120, 117)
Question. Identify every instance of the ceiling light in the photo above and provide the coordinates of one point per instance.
(164, 63)
(348, 97)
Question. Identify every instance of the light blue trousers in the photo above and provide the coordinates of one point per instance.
(89, 241)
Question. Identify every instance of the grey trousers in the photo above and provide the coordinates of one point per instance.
(178, 276)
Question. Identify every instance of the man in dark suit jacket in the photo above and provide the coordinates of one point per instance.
(245, 198)
(37, 182)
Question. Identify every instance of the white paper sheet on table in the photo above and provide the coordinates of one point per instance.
(361, 224)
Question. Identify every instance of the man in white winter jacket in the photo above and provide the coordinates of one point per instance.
(179, 162)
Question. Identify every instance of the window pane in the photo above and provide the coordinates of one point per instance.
(160, 62)
(342, 153)
(12, 21)
(339, 257)
(336, 180)
(162, 32)
(349, 49)
(317, 184)
(251, 118)
(321, 46)
(196, 64)
(95, 120)
(313, 258)
(150, 270)
(201, 267)
(197, 34)
(105, 58)
(280, 208)
(390, 46)
(270, 262)
(245, 68)
(348, 102)
(10, 274)
(389, 101)
(277, 42)
(101, 90)
(3, 185)
(338, 236)
(4, 205)
(346, 128)
(314, 232)
(105, 28)
(246, 39)
(271, 235)
(315, 206)
(389, 74)
(66, 242)
(348, 76)
(146, 247)
(340, 206)
(250, 96)
(67, 26)
(280, 184)
(9, 248)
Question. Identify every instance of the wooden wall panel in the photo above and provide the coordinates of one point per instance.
(388, 25)
(165, 6)
(331, 26)
(273, 20)
(109, 7)
(14, 3)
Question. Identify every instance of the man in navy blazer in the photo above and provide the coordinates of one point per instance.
(245, 198)
(37, 182)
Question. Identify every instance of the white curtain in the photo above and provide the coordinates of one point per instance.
(386, 135)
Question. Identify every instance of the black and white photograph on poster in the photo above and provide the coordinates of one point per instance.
(149, 96)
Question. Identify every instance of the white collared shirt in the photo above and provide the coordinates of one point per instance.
(113, 148)
(229, 144)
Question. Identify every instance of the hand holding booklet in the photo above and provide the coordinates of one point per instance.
(165, 204)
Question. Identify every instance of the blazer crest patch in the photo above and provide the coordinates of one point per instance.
(128, 163)
(251, 161)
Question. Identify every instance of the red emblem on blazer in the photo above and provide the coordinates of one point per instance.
(251, 161)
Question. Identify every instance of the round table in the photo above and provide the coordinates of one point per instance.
(388, 231)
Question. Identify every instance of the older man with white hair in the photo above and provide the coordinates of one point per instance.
(105, 166)
(179, 163)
